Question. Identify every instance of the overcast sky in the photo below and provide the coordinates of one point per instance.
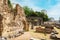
(52, 6)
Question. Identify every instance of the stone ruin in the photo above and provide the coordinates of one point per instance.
(11, 22)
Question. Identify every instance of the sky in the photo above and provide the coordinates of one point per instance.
(52, 6)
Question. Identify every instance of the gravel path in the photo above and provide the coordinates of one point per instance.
(31, 34)
(25, 36)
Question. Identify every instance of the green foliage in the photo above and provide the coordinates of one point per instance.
(9, 4)
(27, 10)
(30, 12)
(44, 16)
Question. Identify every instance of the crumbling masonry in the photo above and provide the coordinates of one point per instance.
(11, 22)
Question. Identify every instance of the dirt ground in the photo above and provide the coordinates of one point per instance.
(37, 36)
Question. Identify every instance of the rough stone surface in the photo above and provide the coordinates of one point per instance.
(12, 24)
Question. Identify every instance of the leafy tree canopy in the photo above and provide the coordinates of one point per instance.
(9, 4)
(29, 12)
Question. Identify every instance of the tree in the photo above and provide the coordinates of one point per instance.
(51, 19)
(29, 12)
(44, 15)
(9, 4)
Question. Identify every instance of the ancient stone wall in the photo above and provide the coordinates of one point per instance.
(12, 27)
(22, 16)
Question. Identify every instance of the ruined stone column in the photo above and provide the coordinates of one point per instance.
(1, 26)
(22, 16)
